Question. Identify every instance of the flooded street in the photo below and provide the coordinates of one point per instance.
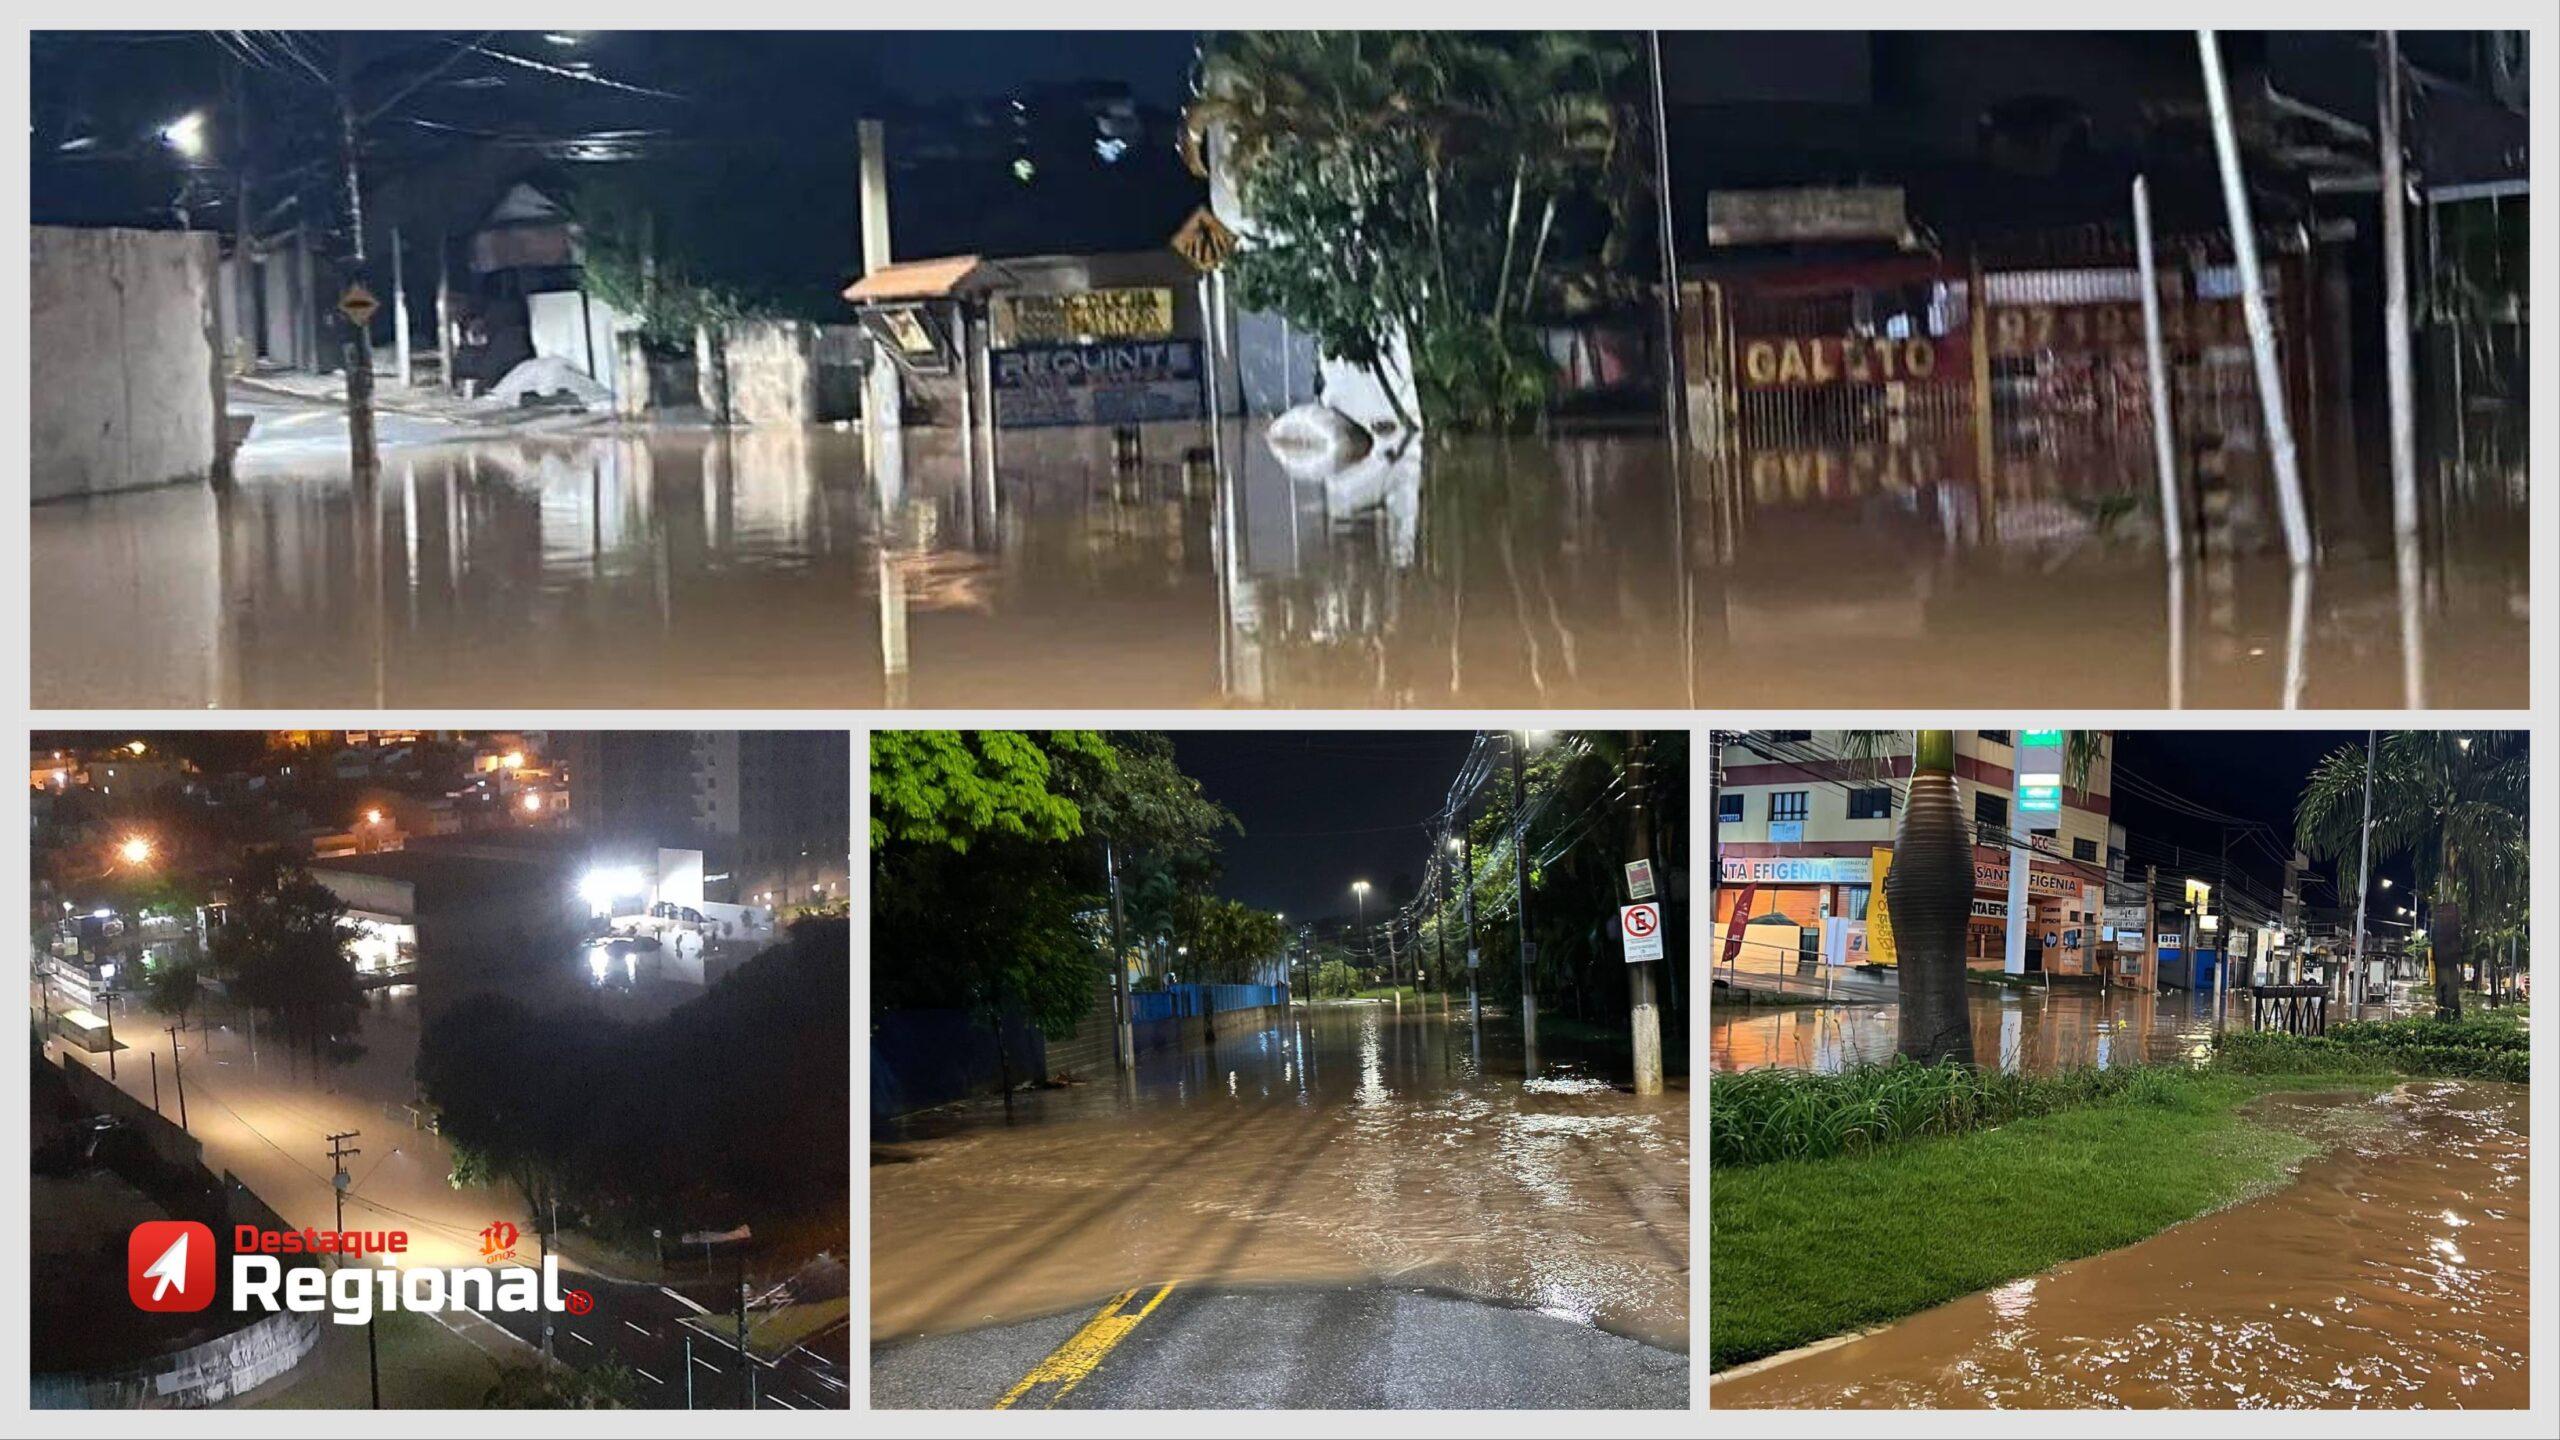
(764, 567)
(2015, 1031)
(2391, 1273)
(1359, 1145)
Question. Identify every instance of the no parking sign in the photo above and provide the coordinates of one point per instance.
(1640, 930)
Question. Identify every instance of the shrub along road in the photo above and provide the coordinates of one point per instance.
(1922, 1185)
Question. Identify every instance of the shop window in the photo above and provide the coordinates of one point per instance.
(1871, 802)
(1990, 812)
(1996, 737)
(2084, 849)
(1729, 807)
(1786, 737)
(1857, 898)
(1790, 805)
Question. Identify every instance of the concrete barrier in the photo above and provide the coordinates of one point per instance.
(125, 359)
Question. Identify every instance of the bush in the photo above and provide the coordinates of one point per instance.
(2406, 1047)
(1758, 1116)
(2429, 1032)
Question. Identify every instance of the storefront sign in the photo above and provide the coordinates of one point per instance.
(2034, 329)
(1990, 874)
(1113, 384)
(1794, 869)
(1814, 362)
(1805, 212)
(1084, 315)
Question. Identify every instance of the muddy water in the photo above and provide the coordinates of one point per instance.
(2390, 1274)
(2029, 1032)
(1357, 1146)
(671, 567)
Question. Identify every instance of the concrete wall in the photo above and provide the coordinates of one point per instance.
(125, 359)
(773, 373)
(189, 1379)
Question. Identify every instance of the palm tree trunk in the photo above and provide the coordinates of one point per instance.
(2444, 951)
(1930, 895)
(1537, 255)
(1510, 239)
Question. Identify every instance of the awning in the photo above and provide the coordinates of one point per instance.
(947, 277)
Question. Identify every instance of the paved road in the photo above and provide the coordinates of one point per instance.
(646, 1326)
(1215, 1348)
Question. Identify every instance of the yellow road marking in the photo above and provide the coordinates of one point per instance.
(1083, 1352)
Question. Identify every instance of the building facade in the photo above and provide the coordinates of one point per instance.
(1805, 823)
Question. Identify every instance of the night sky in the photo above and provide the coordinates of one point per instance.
(2251, 774)
(1322, 808)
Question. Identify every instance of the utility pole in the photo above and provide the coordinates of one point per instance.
(155, 1082)
(244, 270)
(1644, 1012)
(1123, 1039)
(1520, 868)
(2150, 928)
(2395, 349)
(1467, 920)
(746, 1358)
(178, 1067)
(2364, 870)
(339, 1154)
(361, 455)
(2253, 305)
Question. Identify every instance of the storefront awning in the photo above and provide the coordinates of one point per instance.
(949, 277)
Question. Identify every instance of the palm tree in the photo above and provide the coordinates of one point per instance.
(2455, 803)
(1929, 891)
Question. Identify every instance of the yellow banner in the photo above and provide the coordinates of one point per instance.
(1879, 916)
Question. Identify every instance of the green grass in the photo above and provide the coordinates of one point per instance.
(424, 1366)
(2466, 1050)
(1808, 1249)
(1759, 1116)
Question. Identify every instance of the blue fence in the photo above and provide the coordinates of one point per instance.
(1175, 1002)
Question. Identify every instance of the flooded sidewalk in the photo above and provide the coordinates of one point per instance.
(1361, 1144)
(2013, 1030)
(2391, 1273)
(670, 566)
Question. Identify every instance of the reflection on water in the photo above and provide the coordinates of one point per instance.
(2016, 1031)
(2390, 1274)
(658, 567)
(1359, 1144)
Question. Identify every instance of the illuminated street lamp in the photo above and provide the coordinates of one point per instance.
(1360, 908)
(135, 850)
(373, 817)
(186, 136)
(532, 803)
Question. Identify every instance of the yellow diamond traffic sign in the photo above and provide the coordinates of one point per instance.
(1204, 240)
(358, 304)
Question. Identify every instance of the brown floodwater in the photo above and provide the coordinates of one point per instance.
(1359, 1145)
(2390, 1274)
(668, 566)
(2015, 1031)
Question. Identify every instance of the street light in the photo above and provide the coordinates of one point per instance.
(1360, 908)
(186, 136)
(136, 850)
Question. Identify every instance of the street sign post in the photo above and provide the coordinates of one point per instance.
(358, 305)
(1640, 930)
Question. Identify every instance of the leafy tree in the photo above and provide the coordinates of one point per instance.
(952, 788)
(1412, 183)
(2456, 803)
(282, 948)
(1229, 939)
(174, 987)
